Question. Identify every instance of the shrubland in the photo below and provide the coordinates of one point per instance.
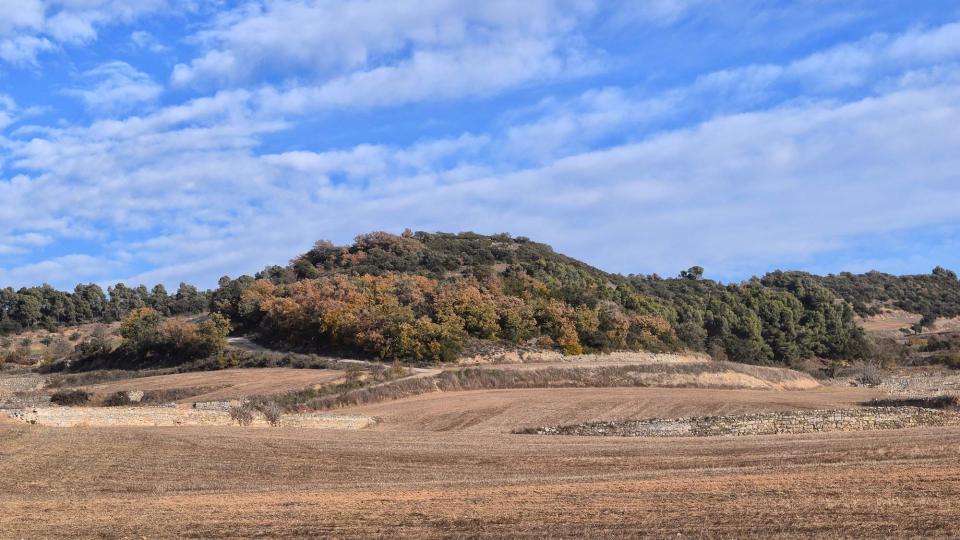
(420, 297)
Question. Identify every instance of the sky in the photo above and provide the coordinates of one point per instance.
(160, 141)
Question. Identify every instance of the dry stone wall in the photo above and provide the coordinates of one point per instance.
(11, 384)
(763, 423)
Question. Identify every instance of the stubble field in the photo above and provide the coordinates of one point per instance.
(418, 474)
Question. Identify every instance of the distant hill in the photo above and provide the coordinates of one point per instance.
(425, 296)
(420, 295)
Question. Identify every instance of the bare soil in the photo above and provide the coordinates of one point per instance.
(230, 383)
(223, 482)
(444, 465)
(890, 322)
(503, 411)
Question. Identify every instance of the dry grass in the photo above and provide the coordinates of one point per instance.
(224, 384)
(680, 375)
(502, 411)
(235, 482)
(892, 321)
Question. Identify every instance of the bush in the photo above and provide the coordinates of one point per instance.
(118, 399)
(70, 398)
(935, 402)
(242, 414)
(870, 375)
(272, 412)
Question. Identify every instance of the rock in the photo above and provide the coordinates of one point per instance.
(764, 423)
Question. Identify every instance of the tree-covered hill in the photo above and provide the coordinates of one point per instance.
(420, 295)
(933, 295)
(423, 296)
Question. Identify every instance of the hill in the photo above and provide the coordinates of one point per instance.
(432, 297)
(932, 296)
(423, 295)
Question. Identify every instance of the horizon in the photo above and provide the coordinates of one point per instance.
(169, 141)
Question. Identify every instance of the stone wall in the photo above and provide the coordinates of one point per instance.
(764, 423)
(24, 400)
(11, 384)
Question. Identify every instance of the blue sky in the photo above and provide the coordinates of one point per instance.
(167, 141)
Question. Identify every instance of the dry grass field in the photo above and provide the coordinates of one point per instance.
(444, 464)
(230, 482)
(229, 383)
(502, 411)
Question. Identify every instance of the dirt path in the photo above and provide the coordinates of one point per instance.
(245, 344)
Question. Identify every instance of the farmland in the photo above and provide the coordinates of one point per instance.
(446, 464)
(228, 482)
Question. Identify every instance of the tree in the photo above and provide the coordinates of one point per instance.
(140, 330)
(693, 273)
(214, 332)
(159, 300)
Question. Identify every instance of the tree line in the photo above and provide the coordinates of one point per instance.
(49, 308)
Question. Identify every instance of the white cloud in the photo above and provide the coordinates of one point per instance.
(7, 110)
(384, 53)
(202, 195)
(429, 75)
(30, 27)
(733, 193)
(80, 267)
(330, 38)
(146, 40)
(866, 62)
(116, 87)
(657, 11)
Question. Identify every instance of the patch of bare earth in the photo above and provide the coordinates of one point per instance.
(892, 321)
(502, 411)
(230, 383)
(171, 416)
(228, 483)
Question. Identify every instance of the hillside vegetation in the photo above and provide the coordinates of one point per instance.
(421, 295)
(426, 296)
(932, 295)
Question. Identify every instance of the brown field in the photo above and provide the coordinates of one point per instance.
(228, 482)
(892, 321)
(502, 411)
(442, 465)
(230, 383)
